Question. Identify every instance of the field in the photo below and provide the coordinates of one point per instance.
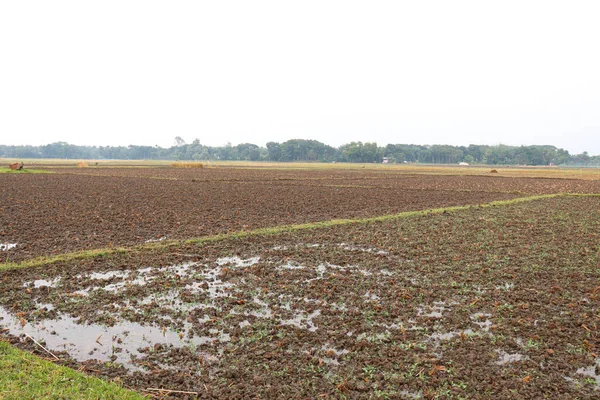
(304, 283)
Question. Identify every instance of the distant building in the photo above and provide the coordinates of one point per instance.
(385, 160)
(463, 164)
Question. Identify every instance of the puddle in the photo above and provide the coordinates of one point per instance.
(475, 318)
(39, 283)
(438, 337)
(237, 262)
(107, 275)
(264, 312)
(370, 296)
(46, 306)
(299, 245)
(120, 343)
(170, 300)
(138, 277)
(484, 325)
(245, 323)
(411, 395)
(330, 361)
(591, 372)
(291, 265)
(506, 358)
(7, 246)
(114, 287)
(321, 270)
(314, 301)
(350, 247)
(506, 287)
(139, 280)
(303, 321)
(212, 284)
(179, 269)
(199, 277)
(331, 350)
(144, 271)
(435, 311)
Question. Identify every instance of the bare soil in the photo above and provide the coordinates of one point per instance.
(397, 179)
(56, 213)
(497, 302)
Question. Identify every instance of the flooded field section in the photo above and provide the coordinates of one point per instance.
(495, 302)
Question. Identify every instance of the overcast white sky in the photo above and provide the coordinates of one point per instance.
(426, 72)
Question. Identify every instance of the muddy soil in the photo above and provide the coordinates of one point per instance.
(57, 213)
(498, 302)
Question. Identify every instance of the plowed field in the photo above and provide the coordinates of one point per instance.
(55, 213)
(485, 302)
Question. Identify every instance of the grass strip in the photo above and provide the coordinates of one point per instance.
(583, 194)
(336, 222)
(105, 252)
(26, 376)
(78, 255)
(24, 171)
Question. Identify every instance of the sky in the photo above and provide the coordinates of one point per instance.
(424, 72)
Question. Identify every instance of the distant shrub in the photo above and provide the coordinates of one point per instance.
(82, 164)
(187, 165)
(494, 171)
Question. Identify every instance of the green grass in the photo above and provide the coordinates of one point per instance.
(78, 255)
(25, 376)
(4, 170)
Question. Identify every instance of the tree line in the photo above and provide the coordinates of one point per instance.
(312, 151)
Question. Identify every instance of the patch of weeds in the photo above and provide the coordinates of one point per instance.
(532, 344)
(505, 308)
(369, 371)
(378, 338)
(497, 338)
(572, 349)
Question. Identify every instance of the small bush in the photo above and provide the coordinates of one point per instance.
(494, 171)
(187, 165)
(82, 164)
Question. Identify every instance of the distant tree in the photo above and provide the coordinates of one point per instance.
(469, 159)
(274, 151)
(311, 150)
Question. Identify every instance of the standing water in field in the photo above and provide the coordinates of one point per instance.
(7, 246)
(123, 343)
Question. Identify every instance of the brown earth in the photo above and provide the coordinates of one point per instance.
(497, 302)
(397, 179)
(47, 214)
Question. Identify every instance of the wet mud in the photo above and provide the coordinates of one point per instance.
(498, 302)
